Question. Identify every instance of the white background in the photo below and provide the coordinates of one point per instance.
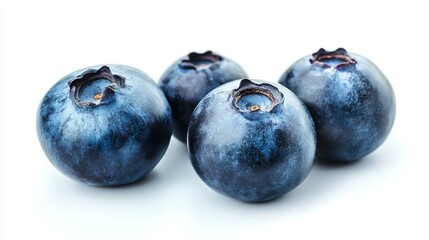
(382, 196)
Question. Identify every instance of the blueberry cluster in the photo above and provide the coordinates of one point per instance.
(249, 139)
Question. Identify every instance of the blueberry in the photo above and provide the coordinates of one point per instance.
(189, 79)
(251, 140)
(351, 101)
(105, 125)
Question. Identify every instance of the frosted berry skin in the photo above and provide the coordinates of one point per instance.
(251, 140)
(105, 125)
(189, 79)
(351, 101)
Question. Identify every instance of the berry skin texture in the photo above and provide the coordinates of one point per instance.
(105, 125)
(251, 140)
(189, 79)
(351, 101)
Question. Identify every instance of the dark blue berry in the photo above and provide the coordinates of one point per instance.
(189, 79)
(351, 101)
(105, 125)
(251, 140)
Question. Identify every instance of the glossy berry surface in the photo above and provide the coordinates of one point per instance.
(105, 125)
(351, 101)
(189, 79)
(251, 140)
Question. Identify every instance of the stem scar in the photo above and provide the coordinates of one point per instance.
(254, 108)
(98, 96)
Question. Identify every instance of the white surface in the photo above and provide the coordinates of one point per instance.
(382, 196)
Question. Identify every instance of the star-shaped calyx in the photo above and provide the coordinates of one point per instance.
(198, 61)
(251, 97)
(338, 59)
(95, 87)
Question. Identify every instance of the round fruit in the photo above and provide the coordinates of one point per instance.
(251, 140)
(105, 125)
(349, 98)
(189, 79)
